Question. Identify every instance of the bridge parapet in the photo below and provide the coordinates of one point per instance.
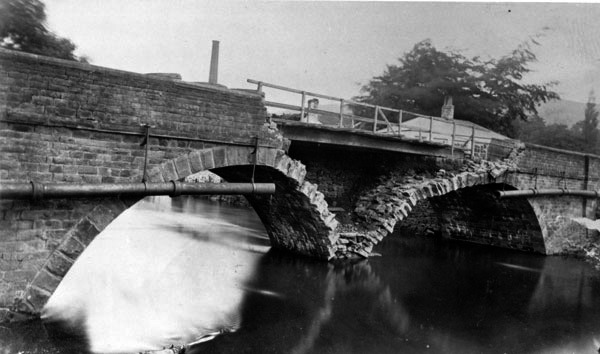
(37, 90)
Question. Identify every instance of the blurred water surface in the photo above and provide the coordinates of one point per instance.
(172, 271)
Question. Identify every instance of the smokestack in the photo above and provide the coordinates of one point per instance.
(214, 64)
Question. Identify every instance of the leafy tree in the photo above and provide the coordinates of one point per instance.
(589, 127)
(490, 93)
(23, 28)
(559, 136)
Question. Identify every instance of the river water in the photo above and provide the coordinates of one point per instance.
(183, 270)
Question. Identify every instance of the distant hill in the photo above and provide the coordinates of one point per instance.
(562, 112)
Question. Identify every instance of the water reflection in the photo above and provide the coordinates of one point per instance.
(175, 271)
(423, 295)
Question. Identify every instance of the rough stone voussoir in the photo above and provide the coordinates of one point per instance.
(282, 164)
(101, 216)
(36, 298)
(195, 159)
(155, 175)
(47, 281)
(58, 264)
(169, 172)
(182, 166)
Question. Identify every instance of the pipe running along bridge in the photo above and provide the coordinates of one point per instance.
(343, 181)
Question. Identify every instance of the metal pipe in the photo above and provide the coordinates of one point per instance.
(526, 193)
(34, 190)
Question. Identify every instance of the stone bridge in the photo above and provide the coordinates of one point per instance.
(71, 122)
(374, 193)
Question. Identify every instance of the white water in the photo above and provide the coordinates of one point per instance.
(588, 223)
(173, 276)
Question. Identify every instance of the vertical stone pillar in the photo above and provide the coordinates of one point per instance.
(448, 108)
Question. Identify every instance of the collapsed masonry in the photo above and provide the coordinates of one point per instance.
(380, 209)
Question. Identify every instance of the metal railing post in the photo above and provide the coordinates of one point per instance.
(341, 113)
(302, 105)
(259, 88)
(375, 119)
(430, 128)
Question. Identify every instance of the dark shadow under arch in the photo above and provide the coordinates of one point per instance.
(475, 214)
(292, 220)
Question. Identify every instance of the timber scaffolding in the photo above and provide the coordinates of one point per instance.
(384, 121)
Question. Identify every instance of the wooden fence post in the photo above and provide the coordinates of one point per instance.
(430, 128)
(400, 123)
(341, 113)
(375, 119)
(302, 105)
(472, 141)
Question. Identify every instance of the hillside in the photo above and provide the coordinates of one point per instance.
(562, 112)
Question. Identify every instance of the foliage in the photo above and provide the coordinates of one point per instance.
(590, 125)
(490, 93)
(559, 136)
(23, 28)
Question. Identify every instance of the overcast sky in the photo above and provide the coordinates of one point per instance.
(327, 47)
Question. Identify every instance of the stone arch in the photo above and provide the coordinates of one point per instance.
(476, 214)
(393, 201)
(296, 218)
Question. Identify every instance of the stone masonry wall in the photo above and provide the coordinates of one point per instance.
(500, 149)
(547, 168)
(456, 215)
(343, 174)
(47, 91)
(69, 122)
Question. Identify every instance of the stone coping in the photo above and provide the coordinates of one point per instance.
(40, 59)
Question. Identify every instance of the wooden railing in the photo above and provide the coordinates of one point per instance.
(384, 120)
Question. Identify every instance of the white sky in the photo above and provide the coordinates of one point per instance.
(327, 47)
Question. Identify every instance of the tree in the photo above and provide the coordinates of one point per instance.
(490, 93)
(535, 130)
(589, 127)
(23, 28)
